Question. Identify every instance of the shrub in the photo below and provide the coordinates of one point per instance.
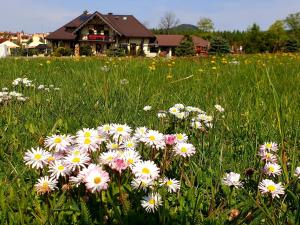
(86, 50)
(116, 52)
(61, 51)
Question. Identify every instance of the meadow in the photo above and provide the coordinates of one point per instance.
(259, 94)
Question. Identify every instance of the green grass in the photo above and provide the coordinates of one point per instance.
(260, 96)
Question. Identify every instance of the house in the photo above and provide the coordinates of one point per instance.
(102, 32)
(167, 43)
(10, 46)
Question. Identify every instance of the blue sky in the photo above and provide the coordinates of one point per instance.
(48, 15)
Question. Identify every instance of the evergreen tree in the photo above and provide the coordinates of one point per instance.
(292, 45)
(219, 45)
(186, 47)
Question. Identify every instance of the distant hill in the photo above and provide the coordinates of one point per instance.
(188, 27)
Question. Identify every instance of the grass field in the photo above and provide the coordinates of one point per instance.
(260, 95)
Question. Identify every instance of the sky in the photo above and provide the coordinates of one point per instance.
(48, 15)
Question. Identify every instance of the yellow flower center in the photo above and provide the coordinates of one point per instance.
(152, 138)
(130, 161)
(57, 140)
(45, 187)
(97, 180)
(106, 128)
(179, 136)
(51, 158)
(60, 167)
(271, 188)
(145, 170)
(87, 141)
(268, 145)
(76, 160)
(114, 146)
(120, 129)
(37, 156)
(87, 134)
(152, 201)
(271, 169)
(129, 145)
(169, 182)
(110, 158)
(183, 149)
(76, 152)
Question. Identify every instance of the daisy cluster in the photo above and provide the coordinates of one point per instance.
(25, 82)
(271, 169)
(94, 158)
(6, 96)
(47, 88)
(267, 152)
(198, 118)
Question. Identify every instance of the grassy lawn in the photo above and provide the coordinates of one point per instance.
(260, 95)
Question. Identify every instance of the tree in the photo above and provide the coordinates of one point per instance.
(278, 35)
(291, 45)
(186, 47)
(205, 25)
(219, 45)
(293, 23)
(168, 21)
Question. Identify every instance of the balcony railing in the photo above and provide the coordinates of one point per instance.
(97, 37)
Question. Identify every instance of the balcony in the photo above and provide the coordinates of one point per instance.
(97, 38)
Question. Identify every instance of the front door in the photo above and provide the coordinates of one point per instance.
(132, 49)
(99, 48)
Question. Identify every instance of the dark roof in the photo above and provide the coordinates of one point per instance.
(170, 40)
(173, 40)
(126, 25)
(200, 42)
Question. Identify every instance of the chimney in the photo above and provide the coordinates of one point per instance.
(85, 12)
(110, 14)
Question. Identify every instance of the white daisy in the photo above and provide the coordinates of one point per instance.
(147, 108)
(272, 169)
(96, 180)
(129, 144)
(268, 186)
(104, 129)
(179, 106)
(74, 162)
(120, 130)
(87, 133)
(184, 149)
(36, 158)
(107, 158)
(140, 133)
(181, 137)
(196, 124)
(161, 114)
(151, 202)
(269, 146)
(219, 108)
(174, 110)
(58, 169)
(155, 139)
(173, 185)
(232, 180)
(145, 170)
(131, 157)
(58, 142)
(140, 183)
(87, 143)
(267, 156)
(45, 185)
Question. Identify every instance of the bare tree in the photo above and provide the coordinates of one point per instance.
(168, 21)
